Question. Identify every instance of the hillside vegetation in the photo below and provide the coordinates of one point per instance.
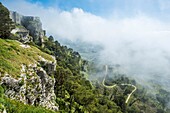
(14, 54)
(73, 91)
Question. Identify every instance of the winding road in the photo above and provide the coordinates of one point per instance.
(129, 95)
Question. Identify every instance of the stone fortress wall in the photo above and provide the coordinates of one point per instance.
(32, 24)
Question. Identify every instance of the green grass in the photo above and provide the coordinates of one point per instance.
(13, 105)
(12, 56)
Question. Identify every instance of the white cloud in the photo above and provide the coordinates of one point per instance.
(140, 44)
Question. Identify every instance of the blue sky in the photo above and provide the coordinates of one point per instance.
(124, 8)
(158, 9)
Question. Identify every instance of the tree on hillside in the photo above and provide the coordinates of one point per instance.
(51, 38)
(6, 24)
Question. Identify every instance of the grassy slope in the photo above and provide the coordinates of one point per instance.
(12, 55)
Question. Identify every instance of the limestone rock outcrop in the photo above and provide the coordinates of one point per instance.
(23, 34)
(34, 86)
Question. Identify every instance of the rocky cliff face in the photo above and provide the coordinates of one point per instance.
(32, 24)
(35, 84)
(16, 17)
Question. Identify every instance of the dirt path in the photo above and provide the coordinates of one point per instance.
(129, 95)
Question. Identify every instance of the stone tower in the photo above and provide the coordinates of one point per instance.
(32, 24)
